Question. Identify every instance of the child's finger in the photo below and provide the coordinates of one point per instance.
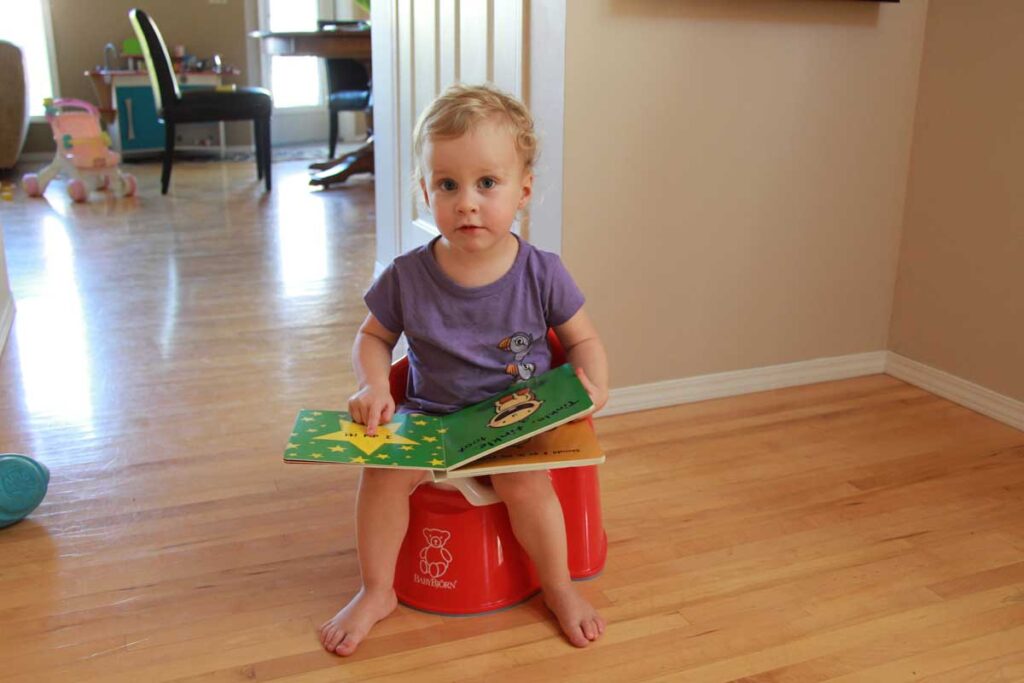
(372, 420)
(585, 381)
(387, 413)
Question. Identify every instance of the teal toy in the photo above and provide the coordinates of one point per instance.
(23, 483)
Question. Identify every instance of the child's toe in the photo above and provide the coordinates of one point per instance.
(590, 629)
(347, 646)
(334, 637)
(576, 636)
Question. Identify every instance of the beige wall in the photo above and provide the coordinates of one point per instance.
(959, 302)
(82, 27)
(735, 175)
(6, 298)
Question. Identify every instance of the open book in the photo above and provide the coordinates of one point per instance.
(447, 444)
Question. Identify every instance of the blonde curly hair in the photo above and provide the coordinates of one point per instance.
(461, 107)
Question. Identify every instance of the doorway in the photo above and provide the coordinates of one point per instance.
(419, 49)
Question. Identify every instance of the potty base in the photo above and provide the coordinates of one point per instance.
(458, 559)
(579, 492)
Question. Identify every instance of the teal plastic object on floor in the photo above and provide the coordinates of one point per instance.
(23, 483)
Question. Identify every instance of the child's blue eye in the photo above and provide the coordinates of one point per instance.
(447, 185)
(488, 183)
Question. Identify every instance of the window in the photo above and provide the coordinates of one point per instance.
(295, 81)
(27, 25)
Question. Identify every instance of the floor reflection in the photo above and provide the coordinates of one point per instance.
(51, 336)
(169, 323)
(301, 239)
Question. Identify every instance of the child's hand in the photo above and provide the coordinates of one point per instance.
(372, 405)
(598, 394)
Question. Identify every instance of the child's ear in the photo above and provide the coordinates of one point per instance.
(527, 190)
(423, 187)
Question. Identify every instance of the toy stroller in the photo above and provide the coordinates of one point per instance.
(83, 151)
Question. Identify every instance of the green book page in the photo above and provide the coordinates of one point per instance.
(410, 440)
(439, 443)
(527, 408)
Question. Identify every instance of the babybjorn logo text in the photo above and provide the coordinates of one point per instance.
(435, 583)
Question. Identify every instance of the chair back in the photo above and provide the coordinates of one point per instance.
(342, 73)
(346, 74)
(158, 61)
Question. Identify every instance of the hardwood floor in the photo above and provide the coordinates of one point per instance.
(861, 530)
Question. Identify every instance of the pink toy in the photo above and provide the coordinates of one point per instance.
(83, 151)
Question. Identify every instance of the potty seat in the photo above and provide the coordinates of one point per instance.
(23, 483)
(460, 556)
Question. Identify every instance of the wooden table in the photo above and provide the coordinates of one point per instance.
(338, 43)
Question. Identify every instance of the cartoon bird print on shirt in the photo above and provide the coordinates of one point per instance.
(519, 344)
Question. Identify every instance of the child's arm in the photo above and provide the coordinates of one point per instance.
(371, 358)
(584, 350)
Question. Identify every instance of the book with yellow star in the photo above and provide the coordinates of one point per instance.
(445, 443)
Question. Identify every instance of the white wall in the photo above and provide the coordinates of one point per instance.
(6, 299)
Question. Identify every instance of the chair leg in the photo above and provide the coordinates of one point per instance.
(266, 151)
(165, 175)
(257, 136)
(333, 135)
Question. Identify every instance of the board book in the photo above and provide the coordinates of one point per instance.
(531, 417)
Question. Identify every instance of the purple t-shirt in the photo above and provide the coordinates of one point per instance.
(469, 343)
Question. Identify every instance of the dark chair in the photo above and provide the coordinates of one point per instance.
(349, 86)
(201, 105)
(348, 83)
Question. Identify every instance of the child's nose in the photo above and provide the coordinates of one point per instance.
(467, 203)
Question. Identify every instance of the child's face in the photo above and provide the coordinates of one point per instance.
(474, 185)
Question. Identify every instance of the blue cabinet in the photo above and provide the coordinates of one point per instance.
(138, 125)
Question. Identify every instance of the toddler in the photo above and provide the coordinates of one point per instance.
(459, 300)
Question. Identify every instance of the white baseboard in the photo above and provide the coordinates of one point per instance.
(691, 389)
(6, 320)
(967, 394)
(734, 383)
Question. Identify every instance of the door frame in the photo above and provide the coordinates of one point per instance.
(291, 125)
(546, 96)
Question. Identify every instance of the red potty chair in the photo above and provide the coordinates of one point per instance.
(460, 557)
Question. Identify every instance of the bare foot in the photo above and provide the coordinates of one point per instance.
(343, 632)
(577, 617)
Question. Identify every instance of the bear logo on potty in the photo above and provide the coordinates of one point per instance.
(435, 559)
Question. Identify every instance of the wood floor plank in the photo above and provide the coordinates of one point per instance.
(856, 530)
